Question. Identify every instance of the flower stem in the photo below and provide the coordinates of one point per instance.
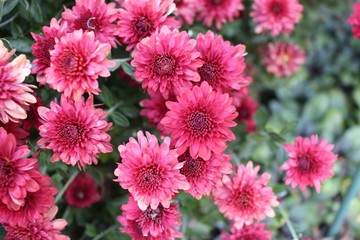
(288, 223)
(350, 194)
(103, 233)
(72, 177)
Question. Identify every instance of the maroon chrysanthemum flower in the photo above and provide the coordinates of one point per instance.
(82, 192)
(33, 118)
(155, 110)
(246, 107)
(16, 129)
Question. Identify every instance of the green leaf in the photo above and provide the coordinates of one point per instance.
(2, 232)
(128, 69)
(36, 12)
(16, 30)
(21, 44)
(90, 230)
(107, 96)
(120, 119)
(276, 137)
(7, 6)
(130, 111)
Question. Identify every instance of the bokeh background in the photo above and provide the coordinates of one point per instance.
(322, 98)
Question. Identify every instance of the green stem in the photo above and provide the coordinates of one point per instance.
(350, 194)
(72, 177)
(103, 233)
(288, 223)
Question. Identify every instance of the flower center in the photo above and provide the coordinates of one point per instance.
(6, 172)
(87, 22)
(80, 195)
(149, 178)
(143, 27)
(71, 63)
(71, 133)
(208, 72)
(178, 2)
(245, 199)
(277, 8)
(306, 164)
(164, 65)
(151, 215)
(199, 123)
(216, 2)
(193, 168)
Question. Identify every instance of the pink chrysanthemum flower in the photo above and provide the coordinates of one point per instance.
(16, 129)
(166, 61)
(159, 223)
(14, 94)
(256, 231)
(186, 10)
(310, 162)
(76, 62)
(283, 59)
(75, 131)
(82, 192)
(15, 172)
(200, 120)
(223, 64)
(220, 11)
(277, 16)
(245, 198)
(139, 19)
(155, 110)
(42, 46)
(203, 175)
(95, 16)
(46, 229)
(354, 20)
(35, 205)
(150, 172)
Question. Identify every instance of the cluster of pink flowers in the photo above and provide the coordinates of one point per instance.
(198, 90)
(26, 196)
